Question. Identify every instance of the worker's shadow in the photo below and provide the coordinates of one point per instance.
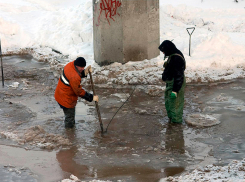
(174, 141)
(67, 161)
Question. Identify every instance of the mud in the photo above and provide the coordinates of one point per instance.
(140, 144)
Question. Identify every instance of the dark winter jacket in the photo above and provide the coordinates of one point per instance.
(174, 66)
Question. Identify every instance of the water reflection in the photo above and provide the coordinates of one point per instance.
(175, 142)
(171, 171)
(67, 162)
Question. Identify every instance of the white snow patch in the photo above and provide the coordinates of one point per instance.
(14, 85)
(75, 179)
(10, 135)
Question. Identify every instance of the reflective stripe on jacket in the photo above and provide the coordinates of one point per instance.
(69, 87)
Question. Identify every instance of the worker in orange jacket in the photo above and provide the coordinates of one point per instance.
(69, 89)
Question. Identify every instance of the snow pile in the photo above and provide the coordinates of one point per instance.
(134, 73)
(233, 172)
(218, 42)
(65, 28)
(69, 30)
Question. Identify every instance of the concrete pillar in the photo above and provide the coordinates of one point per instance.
(125, 30)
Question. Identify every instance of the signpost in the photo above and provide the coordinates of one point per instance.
(190, 33)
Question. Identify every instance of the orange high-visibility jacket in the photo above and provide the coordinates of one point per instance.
(67, 94)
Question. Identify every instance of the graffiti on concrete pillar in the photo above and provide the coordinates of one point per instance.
(109, 7)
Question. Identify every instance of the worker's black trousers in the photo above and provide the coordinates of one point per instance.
(69, 117)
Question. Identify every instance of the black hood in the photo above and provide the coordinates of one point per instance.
(168, 48)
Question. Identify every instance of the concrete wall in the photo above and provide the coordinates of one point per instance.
(125, 30)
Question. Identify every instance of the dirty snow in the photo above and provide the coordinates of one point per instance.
(202, 120)
(9, 135)
(233, 172)
(37, 136)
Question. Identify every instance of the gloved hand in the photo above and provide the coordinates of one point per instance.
(88, 69)
(173, 95)
(96, 98)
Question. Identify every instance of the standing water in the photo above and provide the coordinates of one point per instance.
(140, 145)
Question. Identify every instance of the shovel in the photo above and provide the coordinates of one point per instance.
(96, 104)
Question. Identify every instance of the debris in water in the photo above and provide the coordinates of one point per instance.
(75, 179)
(38, 136)
(14, 85)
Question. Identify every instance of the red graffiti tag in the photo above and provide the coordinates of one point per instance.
(110, 9)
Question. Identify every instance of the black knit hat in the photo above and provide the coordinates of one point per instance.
(80, 61)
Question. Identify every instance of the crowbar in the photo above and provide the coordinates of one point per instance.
(96, 104)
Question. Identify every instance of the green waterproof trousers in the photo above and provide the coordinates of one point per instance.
(175, 106)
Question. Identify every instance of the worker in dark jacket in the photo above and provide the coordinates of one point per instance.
(69, 88)
(174, 77)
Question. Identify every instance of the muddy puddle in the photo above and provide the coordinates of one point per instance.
(139, 146)
(227, 101)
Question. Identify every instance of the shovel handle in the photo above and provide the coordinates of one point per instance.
(96, 104)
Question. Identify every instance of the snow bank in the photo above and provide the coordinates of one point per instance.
(217, 49)
(234, 171)
(217, 44)
(66, 29)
